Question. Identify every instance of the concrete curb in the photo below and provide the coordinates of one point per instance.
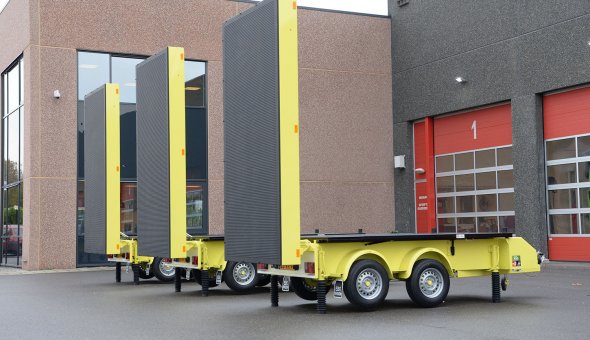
(18, 271)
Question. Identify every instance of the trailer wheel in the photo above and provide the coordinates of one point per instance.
(263, 280)
(429, 284)
(163, 272)
(196, 273)
(306, 288)
(367, 284)
(240, 276)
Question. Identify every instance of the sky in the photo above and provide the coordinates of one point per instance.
(378, 7)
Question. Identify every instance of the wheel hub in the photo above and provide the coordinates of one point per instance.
(166, 269)
(244, 273)
(369, 284)
(431, 282)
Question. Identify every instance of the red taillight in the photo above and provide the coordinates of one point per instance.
(195, 260)
(167, 260)
(262, 266)
(309, 267)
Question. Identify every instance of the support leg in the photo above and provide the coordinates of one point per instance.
(135, 269)
(321, 294)
(118, 272)
(177, 279)
(495, 287)
(204, 282)
(274, 291)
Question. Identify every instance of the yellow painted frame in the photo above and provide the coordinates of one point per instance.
(289, 132)
(112, 168)
(177, 151)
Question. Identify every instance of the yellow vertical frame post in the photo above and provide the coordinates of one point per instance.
(177, 152)
(289, 132)
(112, 168)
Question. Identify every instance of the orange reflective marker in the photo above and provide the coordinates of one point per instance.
(294, 4)
(182, 152)
(184, 248)
(117, 168)
(298, 252)
(118, 246)
(117, 90)
(296, 128)
(182, 56)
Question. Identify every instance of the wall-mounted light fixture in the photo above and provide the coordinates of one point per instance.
(419, 171)
(399, 162)
(56, 94)
(460, 80)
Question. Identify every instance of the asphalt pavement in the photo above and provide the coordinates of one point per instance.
(553, 304)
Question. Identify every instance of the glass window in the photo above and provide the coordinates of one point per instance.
(129, 208)
(584, 197)
(13, 148)
(584, 146)
(194, 77)
(583, 172)
(487, 203)
(505, 156)
(465, 182)
(561, 149)
(128, 143)
(444, 164)
(561, 174)
(585, 223)
(445, 184)
(123, 70)
(487, 224)
(196, 143)
(507, 224)
(563, 199)
(465, 204)
(13, 89)
(466, 224)
(447, 225)
(506, 201)
(93, 71)
(563, 224)
(505, 179)
(445, 205)
(194, 208)
(464, 161)
(485, 159)
(486, 180)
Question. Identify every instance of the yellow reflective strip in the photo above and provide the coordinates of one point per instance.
(176, 123)
(289, 131)
(113, 175)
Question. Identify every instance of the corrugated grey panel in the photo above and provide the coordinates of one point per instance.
(153, 186)
(95, 172)
(251, 123)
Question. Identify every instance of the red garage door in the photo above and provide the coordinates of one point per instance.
(567, 155)
(468, 172)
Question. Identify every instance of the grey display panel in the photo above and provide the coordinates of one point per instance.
(251, 129)
(95, 172)
(153, 165)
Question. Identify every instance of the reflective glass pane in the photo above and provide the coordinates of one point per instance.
(583, 172)
(5, 162)
(560, 149)
(196, 143)
(4, 95)
(21, 144)
(563, 224)
(466, 224)
(507, 224)
(563, 199)
(20, 203)
(129, 208)
(444, 164)
(93, 71)
(445, 184)
(12, 205)
(506, 201)
(487, 224)
(123, 70)
(585, 223)
(464, 161)
(505, 156)
(22, 82)
(194, 78)
(486, 180)
(465, 204)
(194, 208)
(447, 225)
(486, 203)
(80, 131)
(13, 148)
(505, 179)
(485, 159)
(13, 89)
(584, 146)
(584, 197)
(465, 182)
(561, 174)
(128, 142)
(445, 205)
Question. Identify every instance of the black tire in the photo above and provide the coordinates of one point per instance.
(428, 286)
(263, 280)
(367, 284)
(145, 276)
(162, 273)
(196, 273)
(240, 276)
(306, 288)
